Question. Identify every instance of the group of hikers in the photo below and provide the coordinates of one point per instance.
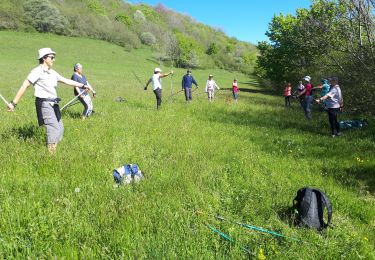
(330, 98)
(187, 84)
(45, 79)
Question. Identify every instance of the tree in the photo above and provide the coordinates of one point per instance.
(44, 17)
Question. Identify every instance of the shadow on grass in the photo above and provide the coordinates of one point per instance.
(72, 114)
(25, 133)
(256, 91)
(271, 124)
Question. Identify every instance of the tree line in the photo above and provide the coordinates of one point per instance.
(332, 37)
(176, 39)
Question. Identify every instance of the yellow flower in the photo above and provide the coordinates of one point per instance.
(261, 255)
(365, 238)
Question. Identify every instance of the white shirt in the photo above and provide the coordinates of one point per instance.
(44, 82)
(156, 81)
(211, 85)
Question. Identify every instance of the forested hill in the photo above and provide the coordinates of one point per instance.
(174, 37)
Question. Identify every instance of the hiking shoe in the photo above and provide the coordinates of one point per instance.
(333, 136)
(339, 133)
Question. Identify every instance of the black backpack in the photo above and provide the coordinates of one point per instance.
(310, 204)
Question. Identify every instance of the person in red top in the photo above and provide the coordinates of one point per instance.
(235, 90)
(287, 94)
(307, 97)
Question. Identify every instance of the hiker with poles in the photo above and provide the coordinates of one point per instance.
(307, 98)
(45, 79)
(210, 87)
(334, 103)
(156, 83)
(186, 84)
(83, 95)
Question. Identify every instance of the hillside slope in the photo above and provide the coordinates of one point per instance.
(175, 38)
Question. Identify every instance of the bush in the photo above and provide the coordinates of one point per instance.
(44, 17)
(139, 17)
(148, 38)
(123, 18)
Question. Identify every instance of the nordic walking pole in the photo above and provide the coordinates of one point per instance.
(6, 102)
(227, 238)
(138, 79)
(171, 84)
(71, 101)
(260, 229)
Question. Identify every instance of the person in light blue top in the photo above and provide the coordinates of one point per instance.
(324, 87)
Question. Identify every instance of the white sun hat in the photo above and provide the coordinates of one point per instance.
(157, 70)
(45, 51)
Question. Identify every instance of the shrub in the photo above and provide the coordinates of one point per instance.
(139, 17)
(148, 38)
(44, 17)
(123, 18)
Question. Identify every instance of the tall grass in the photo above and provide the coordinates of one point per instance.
(244, 162)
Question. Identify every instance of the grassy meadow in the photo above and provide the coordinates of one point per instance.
(242, 161)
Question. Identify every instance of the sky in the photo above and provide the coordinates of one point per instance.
(246, 20)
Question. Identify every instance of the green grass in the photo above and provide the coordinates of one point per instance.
(244, 162)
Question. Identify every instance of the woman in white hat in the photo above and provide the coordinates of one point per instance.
(44, 79)
(210, 87)
(156, 83)
(84, 96)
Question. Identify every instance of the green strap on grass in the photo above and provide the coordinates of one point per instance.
(227, 238)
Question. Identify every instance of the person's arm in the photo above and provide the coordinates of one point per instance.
(12, 105)
(166, 74)
(216, 86)
(73, 83)
(148, 82)
(93, 91)
(206, 88)
(195, 83)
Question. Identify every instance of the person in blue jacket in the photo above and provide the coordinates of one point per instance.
(187, 82)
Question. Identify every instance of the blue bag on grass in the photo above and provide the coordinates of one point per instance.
(127, 173)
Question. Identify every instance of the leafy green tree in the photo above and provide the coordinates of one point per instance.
(44, 17)
(212, 49)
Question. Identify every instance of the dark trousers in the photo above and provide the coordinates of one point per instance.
(287, 101)
(158, 97)
(332, 118)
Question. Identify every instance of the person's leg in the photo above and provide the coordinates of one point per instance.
(85, 106)
(308, 106)
(336, 123)
(189, 94)
(331, 120)
(186, 94)
(158, 97)
(88, 102)
(54, 128)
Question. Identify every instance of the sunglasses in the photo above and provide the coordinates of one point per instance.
(51, 57)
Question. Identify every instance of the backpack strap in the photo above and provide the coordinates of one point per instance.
(327, 204)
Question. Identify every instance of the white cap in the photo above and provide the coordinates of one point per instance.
(157, 70)
(307, 78)
(45, 51)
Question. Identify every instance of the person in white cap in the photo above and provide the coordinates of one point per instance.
(156, 83)
(83, 93)
(210, 87)
(45, 79)
(306, 96)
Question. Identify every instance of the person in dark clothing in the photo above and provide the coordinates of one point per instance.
(84, 96)
(186, 84)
